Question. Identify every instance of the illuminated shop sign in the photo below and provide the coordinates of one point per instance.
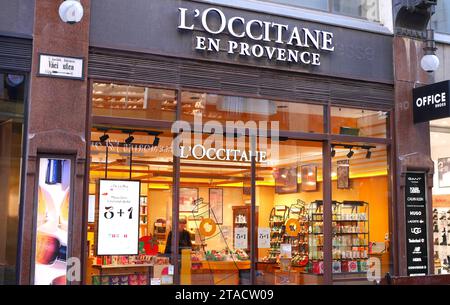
(255, 38)
(199, 152)
(431, 102)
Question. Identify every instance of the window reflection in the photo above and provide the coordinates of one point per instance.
(12, 88)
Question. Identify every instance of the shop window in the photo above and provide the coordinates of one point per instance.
(136, 102)
(360, 212)
(441, 18)
(440, 141)
(123, 154)
(359, 122)
(291, 116)
(12, 89)
(366, 9)
(215, 203)
(290, 225)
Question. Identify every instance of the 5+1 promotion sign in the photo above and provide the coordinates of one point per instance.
(118, 217)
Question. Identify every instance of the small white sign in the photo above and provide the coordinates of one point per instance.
(170, 270)
(118, 217)
(58, 66)
(241, 238)
(263, 238)
(155, 281)
(286, 250)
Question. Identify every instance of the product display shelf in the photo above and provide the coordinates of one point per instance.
(350, 221)
(143, 215)
(299, 242)
(277, 219)
(159, 229)
(119, 271)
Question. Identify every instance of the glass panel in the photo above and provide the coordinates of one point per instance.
(440, 142)
(367, 9)
(215, 199)
(441, 19)
(291, 116)
(133, 102)
(152, 165)
(12, 88)
(360, 188)
(358, 122)
(315, 4)
(289, 196)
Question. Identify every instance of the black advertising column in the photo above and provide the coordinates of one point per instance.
(416, 224)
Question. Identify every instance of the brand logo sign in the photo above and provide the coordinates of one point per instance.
(416, 226)
(431, 102)
(255, 38)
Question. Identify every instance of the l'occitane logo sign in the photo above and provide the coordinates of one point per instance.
(292, 44)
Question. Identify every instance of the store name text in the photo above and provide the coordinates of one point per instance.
(266, 34)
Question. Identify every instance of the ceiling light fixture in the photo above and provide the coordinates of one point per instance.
(104, 137)
(155, 141)
(333, 151)
(350, 153)
(129, 140)
(368, 154)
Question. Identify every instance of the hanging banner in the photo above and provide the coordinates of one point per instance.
(263, 238)
(241, 238)
(52, 221)
(416, 225)
(118, 217)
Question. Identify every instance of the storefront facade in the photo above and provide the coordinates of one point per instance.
(310, 197)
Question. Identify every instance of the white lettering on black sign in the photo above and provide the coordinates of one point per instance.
(416, 225)
(431, 102)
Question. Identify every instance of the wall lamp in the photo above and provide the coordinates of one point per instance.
(430, 62)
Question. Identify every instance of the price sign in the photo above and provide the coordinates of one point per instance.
(263, 238)
(241, 238)
(118, 218)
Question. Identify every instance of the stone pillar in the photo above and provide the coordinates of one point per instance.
(412, 141)
(57, 119)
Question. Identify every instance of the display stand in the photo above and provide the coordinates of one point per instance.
(278, 217)
(350, 237)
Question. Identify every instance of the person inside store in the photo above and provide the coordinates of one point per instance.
(185, 238)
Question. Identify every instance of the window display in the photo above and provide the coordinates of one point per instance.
(224, 206)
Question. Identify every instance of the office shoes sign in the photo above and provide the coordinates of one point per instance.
(63, 67)
(431, 102)
(275, 41)
(416, 225)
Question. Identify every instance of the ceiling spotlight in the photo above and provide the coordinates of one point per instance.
(104, 137)
(368, 154)
(155, 141)
(333, 151)
(129, 139)
(350, 153)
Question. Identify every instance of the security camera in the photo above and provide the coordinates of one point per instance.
(71, 11)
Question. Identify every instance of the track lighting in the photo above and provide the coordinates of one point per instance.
(104, 137)
(129, 140)
(368, 154)
(350, 153)
(155, 141)
(333, 151)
